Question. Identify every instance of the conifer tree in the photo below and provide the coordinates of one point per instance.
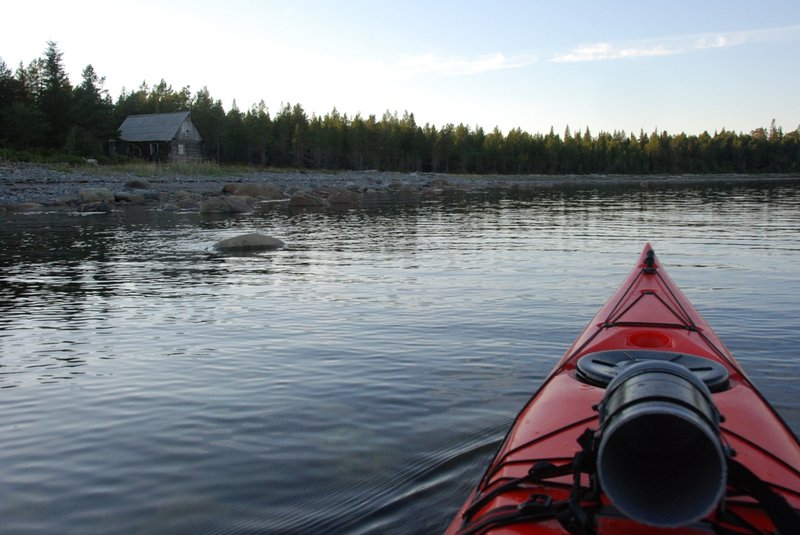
(55, 101)
(93, 123)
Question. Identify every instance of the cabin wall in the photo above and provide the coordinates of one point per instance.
(185, 150)
(187, 145)
(188, 132)
(156, 151)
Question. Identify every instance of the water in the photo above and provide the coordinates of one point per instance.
(357, 381)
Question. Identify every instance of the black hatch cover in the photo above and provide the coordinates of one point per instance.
(600, 368)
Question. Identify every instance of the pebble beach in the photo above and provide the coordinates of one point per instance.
(25, 187)
(31, 187)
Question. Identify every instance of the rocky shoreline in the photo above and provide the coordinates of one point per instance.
(32, 187)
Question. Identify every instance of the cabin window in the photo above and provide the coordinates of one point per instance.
(181, 149)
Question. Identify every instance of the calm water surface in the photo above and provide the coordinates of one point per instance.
(355, 382)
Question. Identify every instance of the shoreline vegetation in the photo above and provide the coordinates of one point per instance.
(44, 118)
(52, 138)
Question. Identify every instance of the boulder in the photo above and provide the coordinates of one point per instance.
(306, 199)
(182, 199)
(133, 198)
(183, 195)
(249, 242)
(324, 191)
(149, 195)
(228, 204)
(92, 195)
(373, 197)
(65, 200)
(138, 184)
(31, 207)
(187, 205)
(345, 198)
(100, 206)
(259, 191)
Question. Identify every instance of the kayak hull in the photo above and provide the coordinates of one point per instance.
(648, 315)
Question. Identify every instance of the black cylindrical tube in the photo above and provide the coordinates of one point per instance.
(660, 459)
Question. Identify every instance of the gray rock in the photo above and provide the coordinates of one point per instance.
(132, 198)
(138, 184)
(64, 200)
(306, 199)
(94, 195)
(345, 198)
(182, 199)
(258, 190)
(183, 195)
(31, 207)
(226, 205)
(324, 191)
(249, 242)
(100, 206)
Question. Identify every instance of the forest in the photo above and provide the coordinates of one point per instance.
(43, 115)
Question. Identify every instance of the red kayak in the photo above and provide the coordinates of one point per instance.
(646, 425)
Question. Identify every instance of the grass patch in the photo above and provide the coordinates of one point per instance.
(140, 168)
(161, 169)
(43, 157)
(156, 169)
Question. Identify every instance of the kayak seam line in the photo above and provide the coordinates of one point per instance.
(625, 295)
(763, 451)
(675, 298)
(503, 461)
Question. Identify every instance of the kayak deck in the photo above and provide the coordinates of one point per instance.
(647, 317)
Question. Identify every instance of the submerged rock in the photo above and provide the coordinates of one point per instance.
(249, 242)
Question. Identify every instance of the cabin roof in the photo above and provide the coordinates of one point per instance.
(152, 127)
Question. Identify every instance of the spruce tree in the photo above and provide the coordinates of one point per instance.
(55, 101)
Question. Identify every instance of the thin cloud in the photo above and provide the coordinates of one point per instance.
(671, 46)
(429, 63)
(607, 51)
(718, 41)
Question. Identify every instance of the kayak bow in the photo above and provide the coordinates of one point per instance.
(646, 424)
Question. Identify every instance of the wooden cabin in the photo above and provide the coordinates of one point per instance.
(165, 137)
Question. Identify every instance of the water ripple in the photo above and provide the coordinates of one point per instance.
(357, 381)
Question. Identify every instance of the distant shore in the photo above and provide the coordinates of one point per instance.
(28, 187)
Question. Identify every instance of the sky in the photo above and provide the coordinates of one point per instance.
(677, 66)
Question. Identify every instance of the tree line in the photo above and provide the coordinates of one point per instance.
(41, 111)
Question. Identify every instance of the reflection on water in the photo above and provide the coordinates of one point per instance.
(356, 381)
